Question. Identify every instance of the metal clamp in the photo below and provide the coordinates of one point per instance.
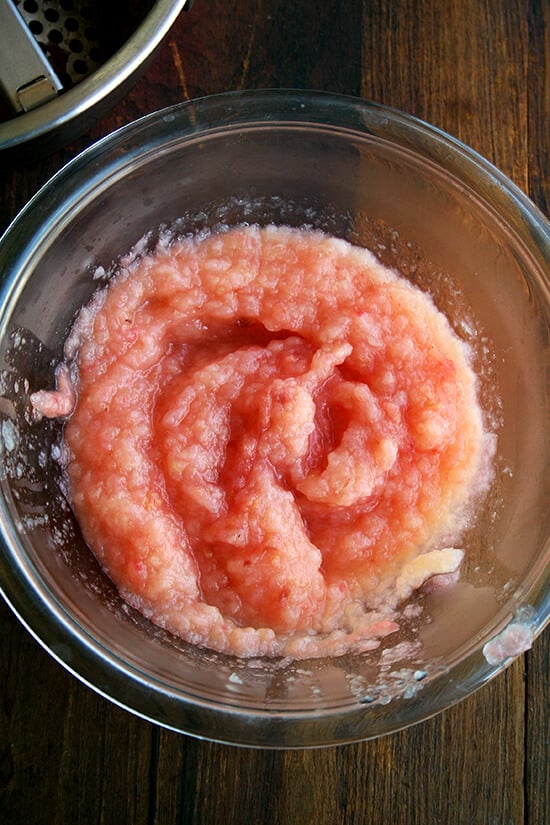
(27, 80)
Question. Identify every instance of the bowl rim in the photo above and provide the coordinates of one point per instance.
(105, 158)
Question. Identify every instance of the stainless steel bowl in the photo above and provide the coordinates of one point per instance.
(59, 120)
(425, 203)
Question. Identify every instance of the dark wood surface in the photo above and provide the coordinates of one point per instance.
(480, 69)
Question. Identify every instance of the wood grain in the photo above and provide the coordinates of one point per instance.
(480, 69)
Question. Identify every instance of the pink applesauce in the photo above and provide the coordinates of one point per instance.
(272, 440)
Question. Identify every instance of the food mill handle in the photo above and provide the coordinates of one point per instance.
(26, 78)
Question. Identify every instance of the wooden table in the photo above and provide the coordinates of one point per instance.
(480, 69)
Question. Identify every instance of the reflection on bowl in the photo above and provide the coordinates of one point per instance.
(420, 201)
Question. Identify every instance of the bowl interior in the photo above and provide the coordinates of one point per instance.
(361, 173)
